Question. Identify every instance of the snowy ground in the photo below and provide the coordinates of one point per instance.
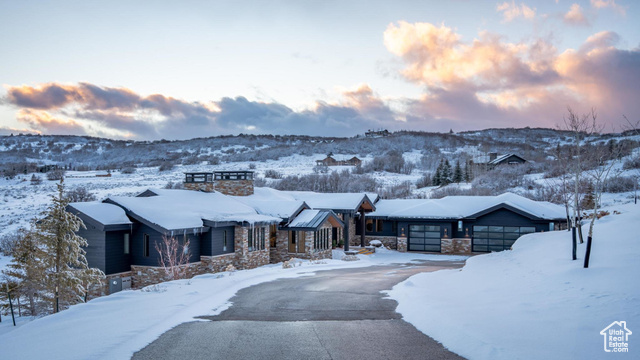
(534, 302)
(115, 326)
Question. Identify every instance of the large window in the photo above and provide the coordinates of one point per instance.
(497, 238)
(145, 245)
(322, 239)
(256, 238)
(424, 237)
(374, 225)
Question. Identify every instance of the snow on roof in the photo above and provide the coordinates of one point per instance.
(185, 209)
(457, 207)
(279, 208)
(329, 201)
(311, 219)
(502, 158)
(106, 214)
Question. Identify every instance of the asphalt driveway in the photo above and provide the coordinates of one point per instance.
(335, 314)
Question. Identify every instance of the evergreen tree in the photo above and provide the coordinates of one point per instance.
(457, 173)
(53, 257)
(437, 178)
(467, 171)
(445, 176)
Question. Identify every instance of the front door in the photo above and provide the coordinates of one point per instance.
(293, 243)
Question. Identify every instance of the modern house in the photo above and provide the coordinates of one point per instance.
(222, 217)
(229, 222)
(491, 160)
(460, 224)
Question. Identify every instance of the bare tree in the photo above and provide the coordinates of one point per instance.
(580, 127)
(173, 257)
(605, 161)
(633, 128)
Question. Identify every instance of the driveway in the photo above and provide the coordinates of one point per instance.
(335, 314)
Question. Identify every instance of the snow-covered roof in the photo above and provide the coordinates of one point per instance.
(311, 219)
(327, 201)
(105, 214)
(284, 209)
(458, 207)
(501, 158)
(186, 209)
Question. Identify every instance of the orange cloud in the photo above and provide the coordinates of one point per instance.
(575, 16)
(511, 11)
(43, 122)
(602, 4)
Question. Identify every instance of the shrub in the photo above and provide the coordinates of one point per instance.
(166, 166)
(9, 241)
(424, 181)
(56, 174)
(128, 170)
(632, 163)
(272, 174)
(619, 184)
(80, 194)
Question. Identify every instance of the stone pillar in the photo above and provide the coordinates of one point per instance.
(402, 244)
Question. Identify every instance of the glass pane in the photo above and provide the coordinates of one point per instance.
(496, 248)
(431, 248)
(480, 241)
(432, 228)
(508, 243)
(432, 234)
(525, 230)
(480, 228)
(511, 236)
(511, 229)
(480, 248)
(495, 242)
(416, 247)
(432, 241)
(481, 234)
(416, 241)
(496, 228)
(416, 234)
(416, 227)
(496, 235)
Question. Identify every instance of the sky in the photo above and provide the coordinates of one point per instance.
(147, 70)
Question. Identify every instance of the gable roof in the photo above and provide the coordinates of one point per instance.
(459, 207)
(312, 219)
(338, 202)
(173, 210)
(504, 157)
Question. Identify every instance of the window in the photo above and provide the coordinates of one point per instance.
(145, 245)
(379, 226)
(126, 243)
(322, 239)
(369, 225)
(224, 240)
(256, 238)
(273, 234)
(250, 239)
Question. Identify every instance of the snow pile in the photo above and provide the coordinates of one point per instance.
(533, 302)
(115, 326)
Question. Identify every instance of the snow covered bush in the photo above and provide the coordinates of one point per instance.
(80, 194)
(620, 184)
(272, 174)
(55, 175)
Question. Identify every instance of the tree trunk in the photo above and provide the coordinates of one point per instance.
(574, 244)
(580, 233)
(588, 253)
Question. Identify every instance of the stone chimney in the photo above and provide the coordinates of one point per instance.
(237, 183)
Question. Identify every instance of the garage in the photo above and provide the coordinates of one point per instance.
(487, 238)
(424, 238)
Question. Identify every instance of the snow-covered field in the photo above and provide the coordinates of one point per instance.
(115, 326)
(534, 302)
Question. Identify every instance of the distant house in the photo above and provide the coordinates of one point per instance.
(491, 160)
(377, 133)
(331, 161)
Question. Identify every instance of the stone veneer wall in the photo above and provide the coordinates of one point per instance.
(234, 187)
(402, 244)
(202, 186)
(218, 263)
(149, 275)
(281, 252)
(249, 259)
(388, 241)
(462, 246)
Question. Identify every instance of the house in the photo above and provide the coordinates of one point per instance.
(331, 161)
(224, 219)
(459, 224)
(490, 161)
(378, 133)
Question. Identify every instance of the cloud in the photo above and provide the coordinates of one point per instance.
(491, 82)
(121, 113)
(602, 4)
(511, 11)
(575, 16)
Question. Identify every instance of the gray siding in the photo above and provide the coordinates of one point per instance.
(96, 249)
(214, 245)
(115, 259)
(153, 259)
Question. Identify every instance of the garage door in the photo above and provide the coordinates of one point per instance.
(424, 238)
(497, 238)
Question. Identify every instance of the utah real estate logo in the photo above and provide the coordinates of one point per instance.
(616, 337)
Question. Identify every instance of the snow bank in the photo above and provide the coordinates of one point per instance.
(534, 302)
(115, 326)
